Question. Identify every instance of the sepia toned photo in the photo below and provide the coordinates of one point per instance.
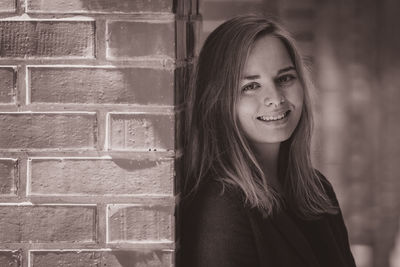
(199, 133)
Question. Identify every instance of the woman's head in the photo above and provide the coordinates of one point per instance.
(226, 115)
(270, 98)
(222, 62)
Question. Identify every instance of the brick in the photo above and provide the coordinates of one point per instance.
(102, 85)
(194, 28)
(47, 130)
(193, 6)
(7, 84)
(8, 177)
(101, 176)
(100, 6)
(128, 223)
(7, 6)
(98, 258)
(10, 258)
(130, 39)
(66, 39)
(141, 131)
(43, 224)
(182, 75)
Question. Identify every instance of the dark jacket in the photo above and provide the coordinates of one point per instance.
(218, 230)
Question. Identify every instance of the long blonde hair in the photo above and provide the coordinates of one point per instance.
(215, 146)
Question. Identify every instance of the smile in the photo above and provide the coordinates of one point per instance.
(274, 118)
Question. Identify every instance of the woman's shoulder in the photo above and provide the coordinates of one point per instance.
(214, 194)
(215, 208)
(215, 229)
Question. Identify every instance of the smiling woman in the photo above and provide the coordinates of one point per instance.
(251, 196)
(271, 95)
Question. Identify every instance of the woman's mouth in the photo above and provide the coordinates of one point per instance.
(275, 117)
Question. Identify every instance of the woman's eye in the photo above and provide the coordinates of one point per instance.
(249, 87)
(285, 79)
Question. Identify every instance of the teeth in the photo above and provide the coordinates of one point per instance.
(272, 118)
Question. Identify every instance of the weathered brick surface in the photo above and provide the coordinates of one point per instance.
(84, 104)
(97, 258)
(47, 224)
(130, 39)
(102, 85)
(47, 39)
(49, 130)
(7, 6)
(141, 131)
(10, 258)
(8, 177)
(100, 6)
(128, 223)
(7, 84)
(101, 176)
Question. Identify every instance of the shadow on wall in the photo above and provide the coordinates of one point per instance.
(137, 259)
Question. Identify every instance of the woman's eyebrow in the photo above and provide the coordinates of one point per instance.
(255, 77)
(286, 69)
(251, 77)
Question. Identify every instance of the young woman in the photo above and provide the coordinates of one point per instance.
(251, 196)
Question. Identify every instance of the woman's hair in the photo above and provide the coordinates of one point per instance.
(215, 145)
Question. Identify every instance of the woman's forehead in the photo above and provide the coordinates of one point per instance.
(268, 52)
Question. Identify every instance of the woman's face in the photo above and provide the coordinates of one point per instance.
(271, 95)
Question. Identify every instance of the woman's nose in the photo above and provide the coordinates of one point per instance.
(273, 97)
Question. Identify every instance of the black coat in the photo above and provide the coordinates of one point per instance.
(218, 230)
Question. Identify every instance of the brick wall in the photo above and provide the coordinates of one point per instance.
(90, 100)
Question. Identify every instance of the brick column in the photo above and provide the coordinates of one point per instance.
(90, 93)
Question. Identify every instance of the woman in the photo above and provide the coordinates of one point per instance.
(251, 195)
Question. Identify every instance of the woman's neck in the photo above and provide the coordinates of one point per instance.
(267, 155)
